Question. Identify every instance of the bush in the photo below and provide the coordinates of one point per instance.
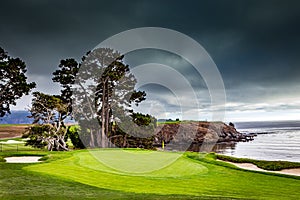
(73, 134)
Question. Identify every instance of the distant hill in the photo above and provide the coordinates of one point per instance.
(21, 117)
(16, 117)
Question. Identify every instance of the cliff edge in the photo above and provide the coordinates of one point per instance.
(197, 133)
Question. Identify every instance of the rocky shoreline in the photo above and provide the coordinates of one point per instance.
(197, 133)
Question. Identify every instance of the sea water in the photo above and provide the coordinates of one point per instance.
(275, 141)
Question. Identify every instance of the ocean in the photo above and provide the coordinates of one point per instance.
(277, 140)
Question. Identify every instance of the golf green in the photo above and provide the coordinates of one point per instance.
(121, 170)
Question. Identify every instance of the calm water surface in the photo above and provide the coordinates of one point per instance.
(274, 141)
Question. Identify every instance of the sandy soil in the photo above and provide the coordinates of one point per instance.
(23, 159)
(11, 131)
(250, 166)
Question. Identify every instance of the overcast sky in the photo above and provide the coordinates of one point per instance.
(254, 44)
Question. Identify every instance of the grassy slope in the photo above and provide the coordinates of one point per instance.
(12, 125)
(17, 183)
(20, 184)
(208, 180)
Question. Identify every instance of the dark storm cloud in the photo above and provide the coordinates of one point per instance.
(254, 43)
(43, 32)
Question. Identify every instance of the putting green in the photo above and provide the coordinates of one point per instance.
(140, 163)
(184, 176)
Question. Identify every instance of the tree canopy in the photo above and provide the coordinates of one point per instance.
(104, 92)
(49, 129)
(13, 81)
(98, 93)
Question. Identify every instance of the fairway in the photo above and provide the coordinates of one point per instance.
(185, 176)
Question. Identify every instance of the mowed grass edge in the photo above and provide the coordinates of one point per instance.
(218, 181)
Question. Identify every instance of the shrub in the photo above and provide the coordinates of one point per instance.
(73, 134)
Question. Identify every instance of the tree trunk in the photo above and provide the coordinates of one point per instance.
(103, 115)
(92, 141)
(107, 121)
(62, 145)
(103, 130)
(50, 146)
(125, 141)
(98, 138)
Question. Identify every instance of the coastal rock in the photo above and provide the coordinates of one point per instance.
(197, 133)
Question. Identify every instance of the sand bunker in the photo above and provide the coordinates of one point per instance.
(250, 166)
(23, 159)
(12, 142)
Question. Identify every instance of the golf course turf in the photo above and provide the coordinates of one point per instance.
(138, 174)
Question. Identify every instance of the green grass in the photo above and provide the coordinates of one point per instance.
(111, 174)
(17, 183)
(263, 164)
(140, 163)
(168, 122)
(4, 146)
(177, 122)
(9, 125)
(15, 147)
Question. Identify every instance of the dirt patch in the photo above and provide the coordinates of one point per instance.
(12, 131)
(23, 159)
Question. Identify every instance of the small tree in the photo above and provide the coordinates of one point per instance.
(13, 82)
(231, 124)
(49, 113)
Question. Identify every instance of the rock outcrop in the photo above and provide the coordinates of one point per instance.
(184, 134)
